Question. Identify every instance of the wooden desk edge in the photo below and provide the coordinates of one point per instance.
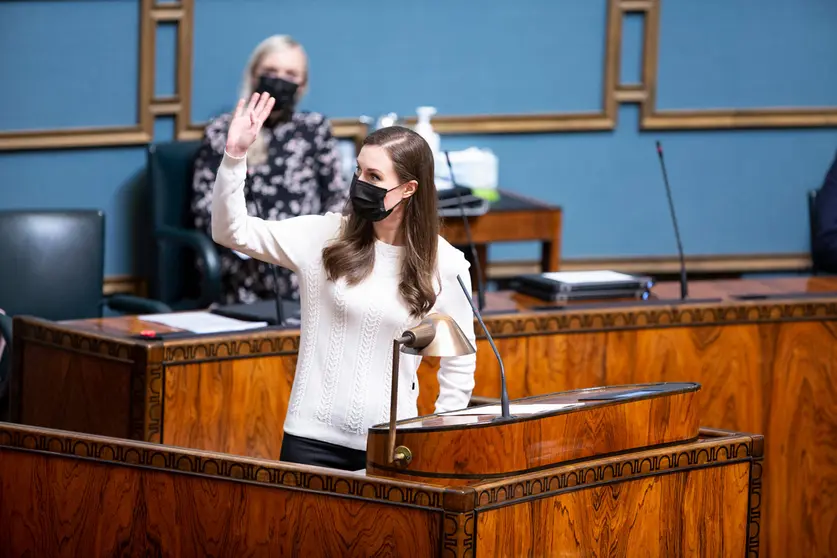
(501, 324)
(715, 448)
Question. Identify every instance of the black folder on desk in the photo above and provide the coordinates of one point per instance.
(261, 311)
(568, 286)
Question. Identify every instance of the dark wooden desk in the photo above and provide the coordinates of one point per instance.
(512, 218)
(766, 366)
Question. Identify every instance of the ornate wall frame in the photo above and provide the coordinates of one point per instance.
(181, 13)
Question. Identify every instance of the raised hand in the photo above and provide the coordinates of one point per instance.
(246, 123)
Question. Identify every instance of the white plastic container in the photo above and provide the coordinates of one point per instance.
(424, 128)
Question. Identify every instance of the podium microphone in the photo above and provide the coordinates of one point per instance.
(504, 392)
(471, 245)
(280, 315)
(684, 286)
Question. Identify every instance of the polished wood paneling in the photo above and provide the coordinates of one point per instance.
(451, 449)
(77, 391)
(772, 378)
(666, 516)
(230, 406)
(96, 510)
(764, 365)
(65, 494)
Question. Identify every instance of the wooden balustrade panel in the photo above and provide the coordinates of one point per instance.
(75, 391)
(697, 513)
(232, 406)
(80, 508)
(773, 378)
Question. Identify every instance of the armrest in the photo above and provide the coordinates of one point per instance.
(207, 253)
(130, 304)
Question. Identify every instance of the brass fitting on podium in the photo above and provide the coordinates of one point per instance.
(402, 457)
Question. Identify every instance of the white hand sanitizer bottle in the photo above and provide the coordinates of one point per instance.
(425, 129)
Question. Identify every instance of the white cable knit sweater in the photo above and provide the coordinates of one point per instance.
(344, 369)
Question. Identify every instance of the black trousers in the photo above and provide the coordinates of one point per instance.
(314, 452)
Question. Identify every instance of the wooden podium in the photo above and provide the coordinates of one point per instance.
(616, 471)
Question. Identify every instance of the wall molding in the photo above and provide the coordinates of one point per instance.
(663, 265)
(181, 14)
(654, 265)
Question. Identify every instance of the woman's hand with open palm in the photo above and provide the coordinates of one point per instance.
(246, 123)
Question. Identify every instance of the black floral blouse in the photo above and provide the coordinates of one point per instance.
(301, 176)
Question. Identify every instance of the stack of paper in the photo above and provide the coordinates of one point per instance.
(201, 322)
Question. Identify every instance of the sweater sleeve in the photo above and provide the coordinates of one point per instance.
(290, 243)
(456, 374)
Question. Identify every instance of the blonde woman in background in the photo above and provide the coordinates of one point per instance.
(293, 166)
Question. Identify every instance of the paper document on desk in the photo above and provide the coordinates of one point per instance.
(201, 322)
(517, 409)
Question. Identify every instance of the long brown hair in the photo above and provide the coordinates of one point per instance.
(352, 254)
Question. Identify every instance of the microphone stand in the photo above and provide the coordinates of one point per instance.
(504, 392)
(471, 245)
(684, 288)
(280, 315)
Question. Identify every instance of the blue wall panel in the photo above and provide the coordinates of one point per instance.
(68, 64)
(74, 63)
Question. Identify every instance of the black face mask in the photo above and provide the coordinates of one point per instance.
(368, 200)
(282, 90)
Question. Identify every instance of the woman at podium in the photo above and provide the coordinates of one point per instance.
(365, 277)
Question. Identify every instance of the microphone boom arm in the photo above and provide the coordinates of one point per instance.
(472, 247)
(504, 392)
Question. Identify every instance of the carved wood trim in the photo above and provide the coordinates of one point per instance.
(235, 468)
(459, 526)
(754, 511)
(459, 535)
(271, 343)
(659, 317)
(50, 334)
(727, 448)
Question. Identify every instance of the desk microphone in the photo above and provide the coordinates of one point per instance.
(504, 392)
(280, 314)
(684, 286)
(471, 245)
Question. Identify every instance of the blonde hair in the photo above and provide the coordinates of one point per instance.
(257, 154)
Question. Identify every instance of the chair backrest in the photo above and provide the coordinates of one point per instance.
(170, 168)
(812, 227)
(52, 263)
